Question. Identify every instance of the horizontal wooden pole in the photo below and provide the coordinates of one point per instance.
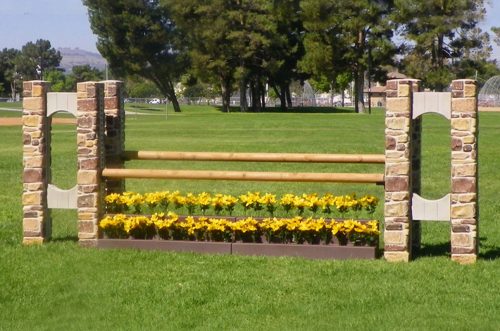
(244, 176)
(254, 157)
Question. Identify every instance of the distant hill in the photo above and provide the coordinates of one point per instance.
(76, 57)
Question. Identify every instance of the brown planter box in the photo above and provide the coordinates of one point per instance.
(168, 245)
(306, 251)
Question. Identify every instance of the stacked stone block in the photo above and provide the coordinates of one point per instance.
(464, 171)
(114, 135)
(36, 163)
(398, 169)
(90, 153)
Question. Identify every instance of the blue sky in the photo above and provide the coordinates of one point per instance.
(65, 23)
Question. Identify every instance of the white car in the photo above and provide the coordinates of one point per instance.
(155, 101)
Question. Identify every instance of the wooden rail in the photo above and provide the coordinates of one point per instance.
(245, 176)
(254, 157)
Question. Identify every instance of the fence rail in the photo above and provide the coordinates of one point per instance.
(254, 157)
(245, 175)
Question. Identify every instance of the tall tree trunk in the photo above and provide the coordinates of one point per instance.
(243, 96)
(171, 95)
(288, 96)
(263, 96)
(359, 93)
(226, 94)
(167, 88)
(282, 95)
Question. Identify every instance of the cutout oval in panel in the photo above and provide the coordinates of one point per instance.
(435, 157)
(63, 153)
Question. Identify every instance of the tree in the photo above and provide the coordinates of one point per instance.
(10, 78)
(36, 58)
(138, 87)
(140, 38)
(209, 27)
(287, 48)
(439, 35)
(84, 73)
(348, 37)
(58, 81)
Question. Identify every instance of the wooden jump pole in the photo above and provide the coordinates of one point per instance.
(244, 176)
(254, 157)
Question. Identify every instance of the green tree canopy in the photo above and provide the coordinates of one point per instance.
(438, 35)
(139, 38)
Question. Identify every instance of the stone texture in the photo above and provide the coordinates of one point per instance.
(398, 104)
(90, 139)
(464, 209)
(463, 185)
(36, 218)
(396, 184)
(397, 256)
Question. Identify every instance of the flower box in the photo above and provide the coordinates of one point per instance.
(306, 251)
(168, 245)
(239, 248)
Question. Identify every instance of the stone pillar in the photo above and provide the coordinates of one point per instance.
(398, 170)
(90, 140)
(114, 132)
(464, 171)
(36, 163)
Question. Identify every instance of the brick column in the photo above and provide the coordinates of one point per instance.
(398, 170)
(90, 140)
(36, 163)
(464, 172)
(114, 132)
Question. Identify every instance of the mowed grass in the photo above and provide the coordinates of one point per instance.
(64, 287)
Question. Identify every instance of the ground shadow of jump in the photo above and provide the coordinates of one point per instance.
(487, 252)
(297, 110)
(64, 239)
(441, 249)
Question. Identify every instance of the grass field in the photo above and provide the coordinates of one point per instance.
(60, 286)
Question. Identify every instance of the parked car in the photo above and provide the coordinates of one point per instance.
(155, 101)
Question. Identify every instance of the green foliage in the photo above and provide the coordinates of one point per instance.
(10, 79)
(442, 39)
(61, 82)
(36, 58)
(341, 41)
(139, 38)
(138, 87)
(63, 286)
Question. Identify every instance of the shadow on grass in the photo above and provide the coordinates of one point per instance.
(298, 110)
(145, 108)
(490, 252)
(441, 249)
(65, 239)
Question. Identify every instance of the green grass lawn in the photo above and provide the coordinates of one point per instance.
(60, 286)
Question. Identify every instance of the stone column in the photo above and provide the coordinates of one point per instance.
(398, 170)
(464, 171)
(114, 132)
(36, 163)
(90, 140)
